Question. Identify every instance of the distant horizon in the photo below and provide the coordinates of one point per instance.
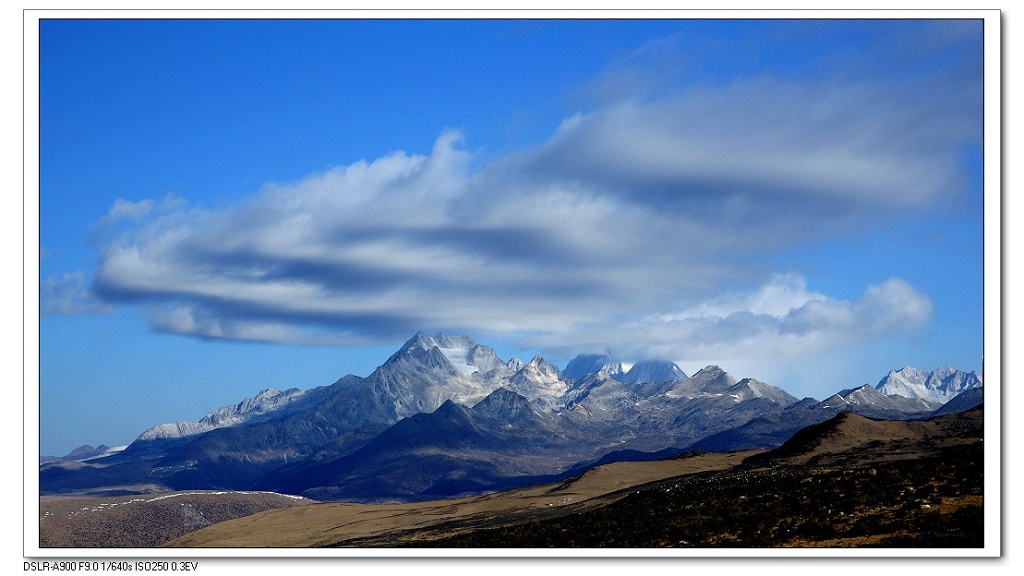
(227, 206)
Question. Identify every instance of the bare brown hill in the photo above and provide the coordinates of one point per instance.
(144, 521)
(848, 438)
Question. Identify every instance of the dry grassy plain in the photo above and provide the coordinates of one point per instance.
(339, 524)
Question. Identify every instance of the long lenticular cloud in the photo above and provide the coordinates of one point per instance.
(622, 216)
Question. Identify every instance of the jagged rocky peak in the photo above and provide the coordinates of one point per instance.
(540, 382)
(538, 371)
(749, 388)
(712, 377)
(542, 366)
(940, 385)
(515, 364)
(420, 341)
(948, 373)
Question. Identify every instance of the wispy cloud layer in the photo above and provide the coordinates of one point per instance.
(780, 320)
(633, 222)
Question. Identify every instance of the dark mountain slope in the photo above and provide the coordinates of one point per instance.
(497, 444)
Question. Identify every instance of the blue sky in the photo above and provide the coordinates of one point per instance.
(229, 206)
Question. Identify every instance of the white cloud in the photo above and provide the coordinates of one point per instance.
(69, 294)
(593, 238)
(778, 322)
(730, 152)
(778, 297)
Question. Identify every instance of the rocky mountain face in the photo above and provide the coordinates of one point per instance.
(445, 415)
(966, 400)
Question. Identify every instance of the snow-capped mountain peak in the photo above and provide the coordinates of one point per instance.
(429, 370)
(461, 354)
(540, 382)
(940, 385)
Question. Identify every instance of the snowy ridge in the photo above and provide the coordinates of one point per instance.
(265, 402)
(940, 385)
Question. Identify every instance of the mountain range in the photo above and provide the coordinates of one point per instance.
(445, 416)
